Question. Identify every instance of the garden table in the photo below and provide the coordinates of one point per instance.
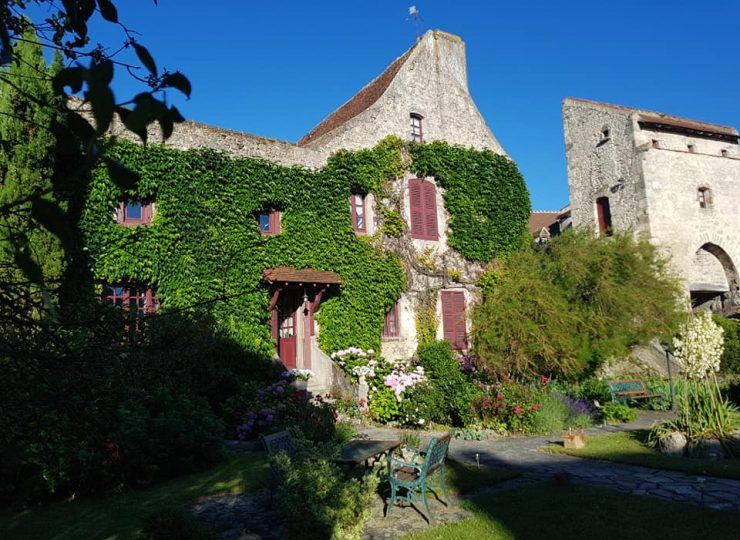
(366, 450)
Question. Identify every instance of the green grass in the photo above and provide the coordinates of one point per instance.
(121, 516)
(547, 511)
(632, 448)
(464, 478)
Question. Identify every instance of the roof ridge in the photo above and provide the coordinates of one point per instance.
(361, 101)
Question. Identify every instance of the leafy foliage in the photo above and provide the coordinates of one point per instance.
(730, 361)
(567, 308)
(484, 193)
(204, 245)
(617, 412)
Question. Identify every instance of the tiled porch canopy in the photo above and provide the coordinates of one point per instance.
(303, 276)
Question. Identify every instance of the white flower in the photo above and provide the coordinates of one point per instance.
(421, 421)
(699, 346)
(370, 351)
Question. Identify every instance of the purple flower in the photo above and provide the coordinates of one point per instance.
(269, 418)
(280, 390)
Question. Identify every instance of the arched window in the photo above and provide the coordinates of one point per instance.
(704, 194)
(604, 215)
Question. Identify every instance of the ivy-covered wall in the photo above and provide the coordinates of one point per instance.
(485, 195)
(204, 245)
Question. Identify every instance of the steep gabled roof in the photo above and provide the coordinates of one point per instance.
(360, 102)
(539, 219)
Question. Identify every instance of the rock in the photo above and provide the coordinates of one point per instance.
(709, 448)
(672, 444)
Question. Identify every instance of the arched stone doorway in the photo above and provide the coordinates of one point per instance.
(713, 279)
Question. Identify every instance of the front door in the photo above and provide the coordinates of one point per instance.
(287, 321)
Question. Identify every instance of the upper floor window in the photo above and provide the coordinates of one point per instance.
(268, 222)
(423, 209)
(704, 195)
(392, 321)
(134, 213)
(357, 207)
(604, 215)
(140, 300)
(692, 148)
(724, 153)
(417, 135)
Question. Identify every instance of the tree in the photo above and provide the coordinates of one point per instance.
(27, 157)
(568, 307)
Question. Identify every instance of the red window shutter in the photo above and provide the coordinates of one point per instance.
(430, 211)
(453, 319)
(274, 222)
(416, 208)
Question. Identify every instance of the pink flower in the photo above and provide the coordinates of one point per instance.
(500, 396)
(518, 409)
(545, 380)
(536, 407)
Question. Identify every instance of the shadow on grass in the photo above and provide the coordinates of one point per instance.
(121, 516)
(547, 511)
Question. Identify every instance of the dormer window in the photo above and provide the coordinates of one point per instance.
(268, 222)
(357, 208)
(704, 195)
(416, 129)
(133, 213)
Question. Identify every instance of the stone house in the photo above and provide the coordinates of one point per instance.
(422, 96)
(674, 180)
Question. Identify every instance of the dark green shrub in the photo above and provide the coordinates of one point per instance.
(592, 389)
(449, 400)
(616, 412)
(730, 362)
(318, 502)
(174, 524)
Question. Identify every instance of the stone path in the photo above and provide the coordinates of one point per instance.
(232, 514)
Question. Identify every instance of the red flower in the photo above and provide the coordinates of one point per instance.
(116, 456)
(545, 380)
(536, 407)
(500, 396)
(518, 409)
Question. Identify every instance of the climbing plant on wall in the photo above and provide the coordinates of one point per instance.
(203, 243)
(485, 196)
(204, 246)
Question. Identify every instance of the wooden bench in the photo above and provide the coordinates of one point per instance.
(416, 477)
(625, 390)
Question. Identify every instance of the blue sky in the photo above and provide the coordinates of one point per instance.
(278, 68)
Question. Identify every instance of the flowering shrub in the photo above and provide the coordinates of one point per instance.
(699, 346)
(509, 406)
(281, 404)
(388, 381)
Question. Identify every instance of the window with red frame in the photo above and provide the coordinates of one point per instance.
(423, 209)
(392, 326)
(136, 298)
(268, 222)
(134, 213)
(417, 135)
(357, 207)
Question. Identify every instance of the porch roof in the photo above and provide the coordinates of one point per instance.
(289, 274)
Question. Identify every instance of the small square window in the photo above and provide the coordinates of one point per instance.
(133, 213)
(692, 149)
(704, 195)
(656, 143)
(268, 222)
(724, 153)
(139, 300)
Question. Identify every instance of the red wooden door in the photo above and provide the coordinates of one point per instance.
(453, 319)
(287, 328)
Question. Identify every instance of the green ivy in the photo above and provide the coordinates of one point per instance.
(204, 244)
(485, 196)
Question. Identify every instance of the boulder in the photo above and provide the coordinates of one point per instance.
(672, 444)
(708, 448)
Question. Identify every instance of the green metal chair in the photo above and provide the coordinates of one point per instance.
(414, 478)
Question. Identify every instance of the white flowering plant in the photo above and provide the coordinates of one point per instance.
(699, 346)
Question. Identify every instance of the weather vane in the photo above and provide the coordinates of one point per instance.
(416, 17)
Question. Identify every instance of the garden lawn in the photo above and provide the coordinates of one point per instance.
(631, 447)
(121, 516)
(464, 478)
(548, 511)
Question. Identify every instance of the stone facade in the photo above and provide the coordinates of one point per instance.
(429, 81)
(674, 180)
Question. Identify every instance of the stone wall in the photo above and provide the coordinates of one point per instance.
(432, 82)
(652, 178)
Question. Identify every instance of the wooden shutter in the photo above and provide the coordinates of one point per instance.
(423, 209)
(453, 319)
(416, 208)
(430, 211)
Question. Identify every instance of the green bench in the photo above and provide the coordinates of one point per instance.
(416, 477)
(626, 390)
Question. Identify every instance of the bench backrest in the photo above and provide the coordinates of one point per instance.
(282, 441)
(436, 454)
(627, 385)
